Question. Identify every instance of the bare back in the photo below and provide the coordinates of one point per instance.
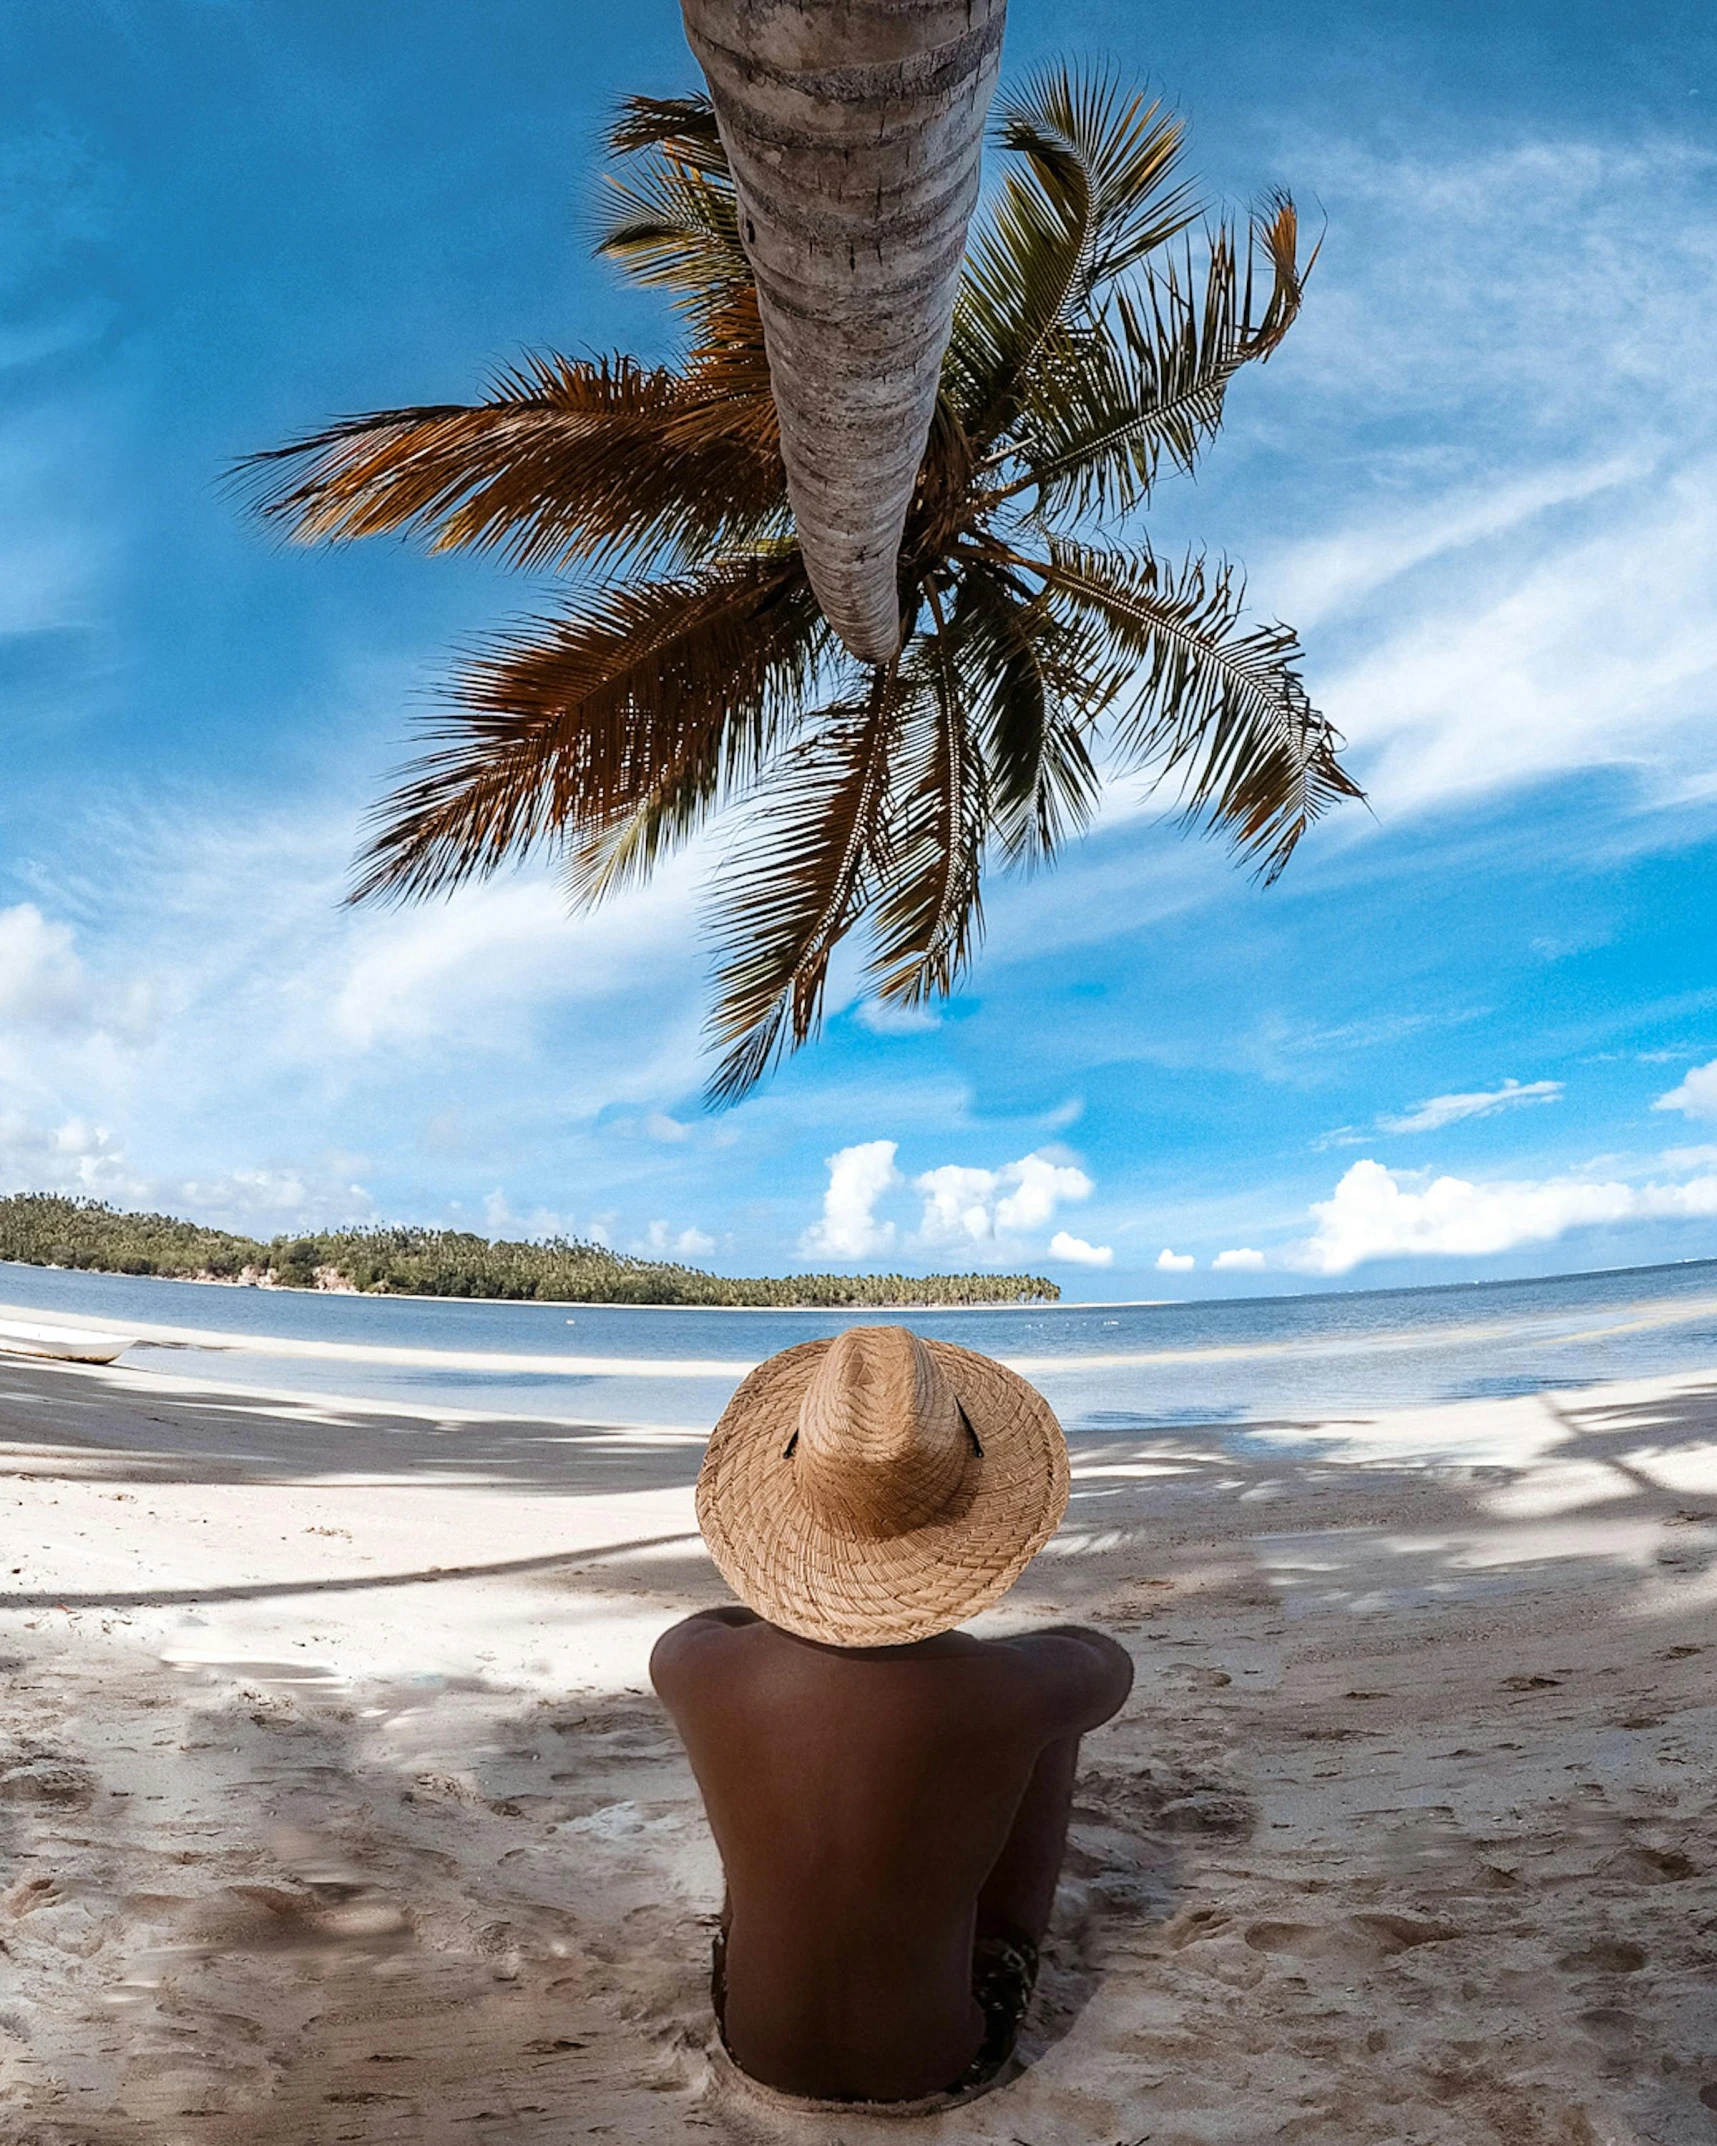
(860, 1799)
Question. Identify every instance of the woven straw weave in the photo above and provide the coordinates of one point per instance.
(802, 1503)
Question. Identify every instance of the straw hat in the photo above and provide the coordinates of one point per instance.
(879, 1487)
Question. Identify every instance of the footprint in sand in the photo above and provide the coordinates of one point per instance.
(1609, 2023)
(44, 1777)
(1652, 1866)
(28, 1895)
(1375, 1936)
(1166, 1797)
(1604, 1956)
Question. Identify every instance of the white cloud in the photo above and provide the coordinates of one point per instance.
(1064, 1246)
(1696, 1096)
(265, 1202)
(42, 981)
(1555, 613)
(84, 1160)
(661, 1241)
(73, 1157)
(1329, 573)
(1039, 1187)
(883, 1018)
(501, 1220)
(968, 1209)
(44, 985)
(858, 1178)
(1376, 1213)
(958, 1205)
(186, 979)
(470, 970)
(1242, 1260)
(1175, 1262)
(1441, 1110)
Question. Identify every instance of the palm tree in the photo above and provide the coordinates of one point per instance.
(853, 139)
(689, 673)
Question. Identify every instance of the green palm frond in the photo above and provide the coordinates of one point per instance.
(1096, 193)
(1106, 156)
(672, 218)
(1150, 376)
(928, 908)
(572, 462)
(805, 857)
(1037, 683)
(610, 732)
(1216, 704)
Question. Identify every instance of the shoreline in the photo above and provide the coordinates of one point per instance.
(1035, 1307)
(1650, 1316)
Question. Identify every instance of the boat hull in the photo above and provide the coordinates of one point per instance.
(62, 1344)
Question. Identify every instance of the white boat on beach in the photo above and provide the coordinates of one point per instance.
(68, 1344)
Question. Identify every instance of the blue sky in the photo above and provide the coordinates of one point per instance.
(1471, 1032)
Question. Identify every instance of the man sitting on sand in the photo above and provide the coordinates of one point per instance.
(889, 1796)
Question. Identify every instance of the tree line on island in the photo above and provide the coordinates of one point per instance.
(47, 1230)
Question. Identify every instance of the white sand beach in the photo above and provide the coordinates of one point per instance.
(334, 1803)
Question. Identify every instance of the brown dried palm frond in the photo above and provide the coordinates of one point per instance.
(570, 463)
(621, 723)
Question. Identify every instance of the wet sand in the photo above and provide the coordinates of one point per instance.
(334, 1804)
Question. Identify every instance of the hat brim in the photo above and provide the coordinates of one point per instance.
(851, 1590)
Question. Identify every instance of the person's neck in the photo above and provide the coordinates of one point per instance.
(938, 1644)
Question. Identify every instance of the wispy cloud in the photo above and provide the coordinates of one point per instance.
(882, 1018)
(1439, 1110)
(46, 988)
(208, 1003)
(1554, 613)
(1322, 578)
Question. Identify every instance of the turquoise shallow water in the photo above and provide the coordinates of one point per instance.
(1236, 1360)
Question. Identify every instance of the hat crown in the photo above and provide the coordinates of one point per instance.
(881, 1447)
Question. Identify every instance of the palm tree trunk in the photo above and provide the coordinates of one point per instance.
(854, 129)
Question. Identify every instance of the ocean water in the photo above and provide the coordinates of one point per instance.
(1237, 1361)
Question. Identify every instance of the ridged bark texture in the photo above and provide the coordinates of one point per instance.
(854, 130)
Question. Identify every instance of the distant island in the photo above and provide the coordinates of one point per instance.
(42, 1229)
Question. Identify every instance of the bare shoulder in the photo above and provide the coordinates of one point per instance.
(1075, 1677)
(691, 1647)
